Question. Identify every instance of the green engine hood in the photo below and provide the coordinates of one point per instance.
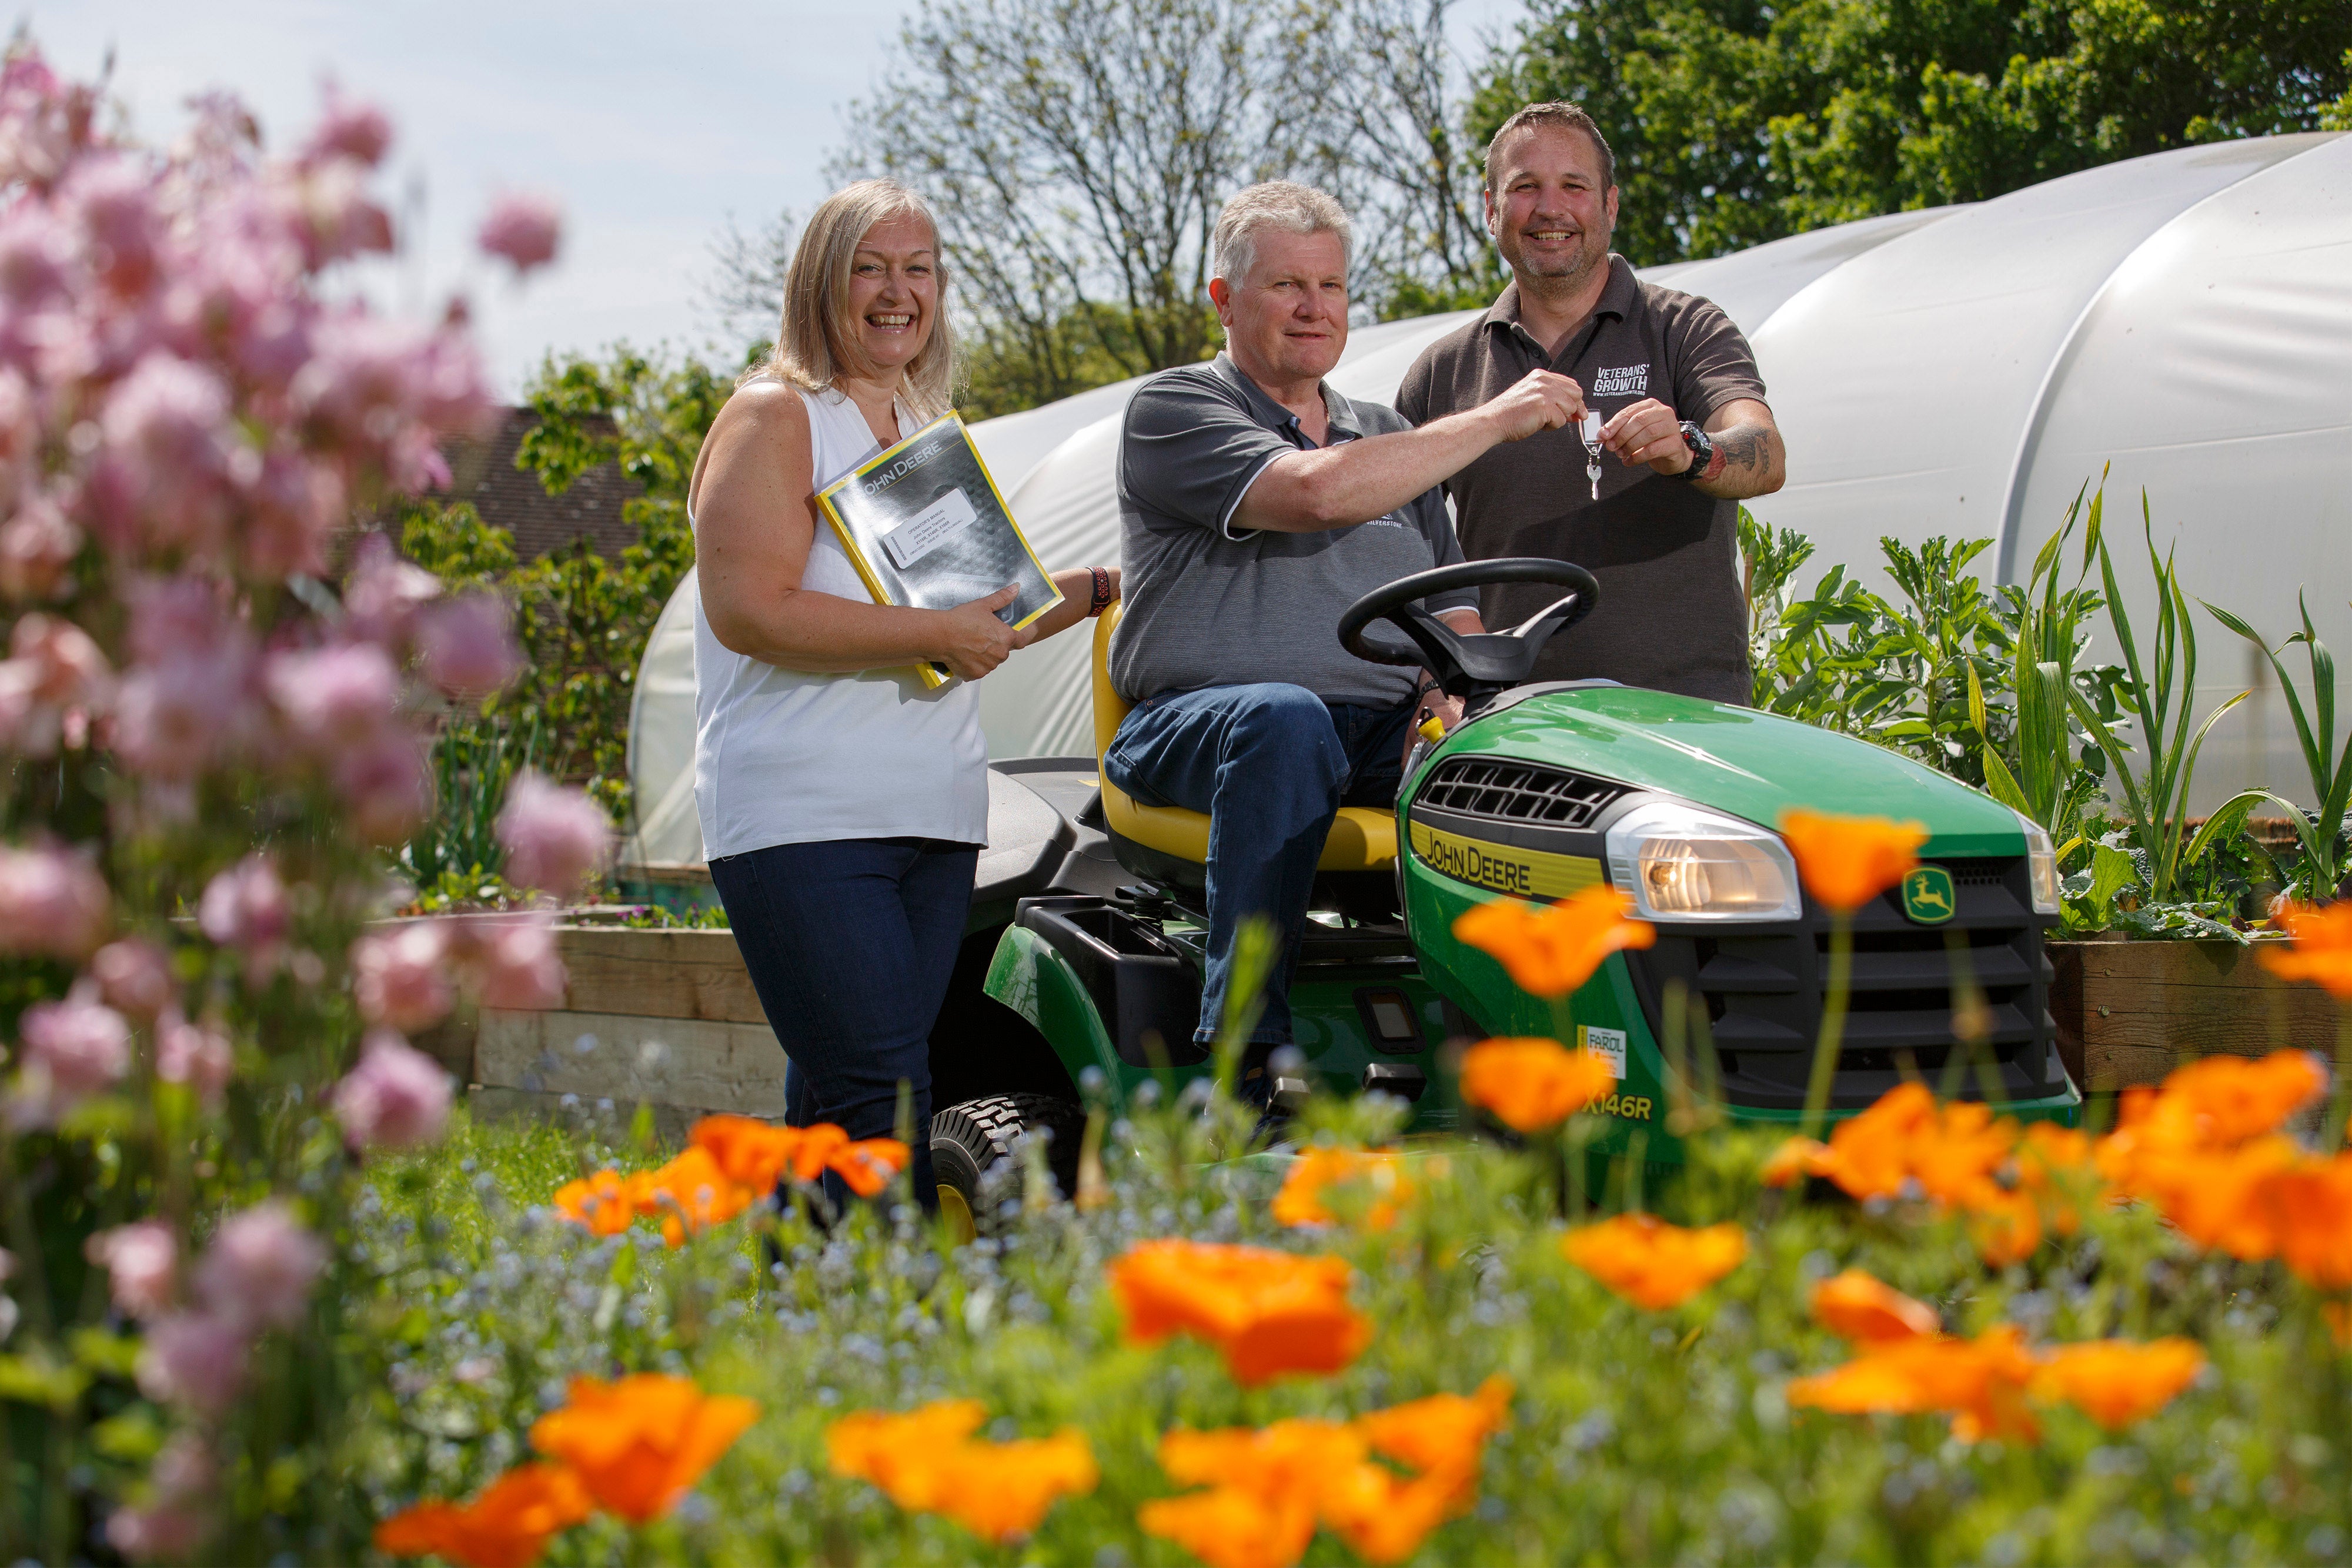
(1736, 760)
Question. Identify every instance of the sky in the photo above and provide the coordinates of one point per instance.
(652, 127)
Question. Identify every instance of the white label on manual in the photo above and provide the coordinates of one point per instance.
(928, 529)
(1608, 1044)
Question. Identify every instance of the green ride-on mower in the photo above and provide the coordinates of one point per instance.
(1087, 937)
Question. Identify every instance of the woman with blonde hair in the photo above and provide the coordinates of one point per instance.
(843, 805)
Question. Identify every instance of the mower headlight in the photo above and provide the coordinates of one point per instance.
(2041, 866)
(1685, 863)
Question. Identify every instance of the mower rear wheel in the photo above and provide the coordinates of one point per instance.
(970, 1142)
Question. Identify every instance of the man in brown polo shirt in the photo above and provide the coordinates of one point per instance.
(1685, 434)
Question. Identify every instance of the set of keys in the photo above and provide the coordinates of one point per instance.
(1590, 433)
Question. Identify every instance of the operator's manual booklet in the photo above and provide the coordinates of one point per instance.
(923, 524)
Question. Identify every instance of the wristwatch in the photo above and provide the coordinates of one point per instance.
(1702, 451)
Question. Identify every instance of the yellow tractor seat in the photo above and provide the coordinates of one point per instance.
(1361, 839)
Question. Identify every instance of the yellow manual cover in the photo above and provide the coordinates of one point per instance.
(926, 527)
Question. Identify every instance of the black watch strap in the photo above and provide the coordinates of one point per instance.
(1702, 451)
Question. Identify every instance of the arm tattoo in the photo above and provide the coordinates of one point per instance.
(1744, 453)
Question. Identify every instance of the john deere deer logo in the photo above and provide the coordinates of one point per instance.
(1928, 896)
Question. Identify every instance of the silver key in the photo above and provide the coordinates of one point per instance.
(1589, 431)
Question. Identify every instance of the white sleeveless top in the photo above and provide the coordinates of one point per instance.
(782, 757)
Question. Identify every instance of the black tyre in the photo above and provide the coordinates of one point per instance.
(974, 1158)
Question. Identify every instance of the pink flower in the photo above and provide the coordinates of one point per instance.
(519, 967)
(293, 505)
(134, 976)
(556, 838)
(334, 695)
(55, 676)
(259, 1268)
(194, 1359)
(350, 129)
(167, 455)
(74, 1049)
(523, 229)
(395, 1098)
(339, 220)
(196, 1054)
(35, 256)
(382, 592)
(177, 1517)
(385, 783)
(142, 1260)
(53, 901)
(114, 198)
(245, 906)
(469, 648)
(38, 547)
(400, 978)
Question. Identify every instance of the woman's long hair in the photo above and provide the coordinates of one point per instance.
(815, 342)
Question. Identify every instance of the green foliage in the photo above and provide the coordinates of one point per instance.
(474, 760)
(2155, 797)
(1736, 122)
(2042, 774)
(1931, 676)
(2320, 832)
(583, 618)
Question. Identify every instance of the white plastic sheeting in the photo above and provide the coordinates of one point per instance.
(2185, 317)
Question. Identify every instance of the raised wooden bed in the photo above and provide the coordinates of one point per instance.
(664, 1017)
(2130, 1012)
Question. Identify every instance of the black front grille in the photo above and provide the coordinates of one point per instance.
(1518, 792)
(1762, 993)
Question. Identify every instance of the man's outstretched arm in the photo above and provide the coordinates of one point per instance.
(1749, 460)
(1338, 486)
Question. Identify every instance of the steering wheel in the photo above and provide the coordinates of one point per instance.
(1472, 666)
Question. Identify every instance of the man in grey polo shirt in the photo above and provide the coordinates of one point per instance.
(1255, 504)
(1686, 432)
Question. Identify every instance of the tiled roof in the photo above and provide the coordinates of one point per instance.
(484, 473)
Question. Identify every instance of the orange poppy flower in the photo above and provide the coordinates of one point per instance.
(506, 1527)
(1795, 1159)
(1268, 1313)
(2005, 1226)
(1652, 1263)
(2322, 948)
(1981, 1382)
(2309, 1206)
(605, 1202)
(2216, 1101)
(1268, 1488)
(1870, 1154)
(926, 1462)
(2116, 1382)
(1529, 1083)
(1857, 1307)
(1959, 1164)
(1551, 950)
(1233, 1527)
(1317, 1169)
(692, 1194)
(753, 1153)
(1442, 1434)
(867, 1164)
(640, 1444)
(1846, 862)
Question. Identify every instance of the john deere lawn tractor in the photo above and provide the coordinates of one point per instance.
(1545, 788)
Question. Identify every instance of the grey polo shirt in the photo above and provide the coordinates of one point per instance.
(1208, 604)
(1666, 554)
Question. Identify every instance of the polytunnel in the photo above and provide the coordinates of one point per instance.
(2181, 323)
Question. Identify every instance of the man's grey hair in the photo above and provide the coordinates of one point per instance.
(1277, 204)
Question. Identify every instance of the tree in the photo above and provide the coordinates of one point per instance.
(1736, 121)
(582, 618)
(1077, 152)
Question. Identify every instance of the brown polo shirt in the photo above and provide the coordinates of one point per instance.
(1672, 616)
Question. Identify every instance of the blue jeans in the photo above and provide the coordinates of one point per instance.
(851, 942)
(1271, 763)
